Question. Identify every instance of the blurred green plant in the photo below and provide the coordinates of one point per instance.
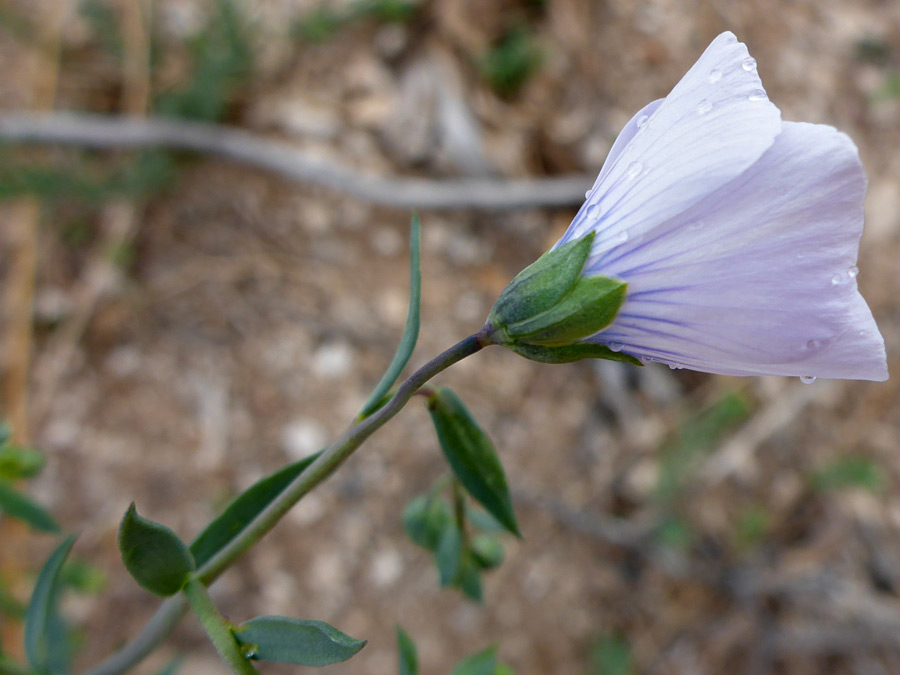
(611, 655)
(221, 65)
(511, 61)
(847, 473)
(752, 526)
(103, 22)
(324, 22)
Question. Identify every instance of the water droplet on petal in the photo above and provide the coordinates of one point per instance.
(837, 279)
(813, 344)
(853, 272)
(749, 64)
(715, 75)
(634, 170)
(758, 95)
(615, 346)
(587, 194)
(807, 379)
(704, 106)
(622, 237)
(641, 121)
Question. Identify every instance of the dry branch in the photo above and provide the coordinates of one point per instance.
(109, 132)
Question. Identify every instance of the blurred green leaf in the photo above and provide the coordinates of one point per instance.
(82, 577)
(482, 663)
(483, 520)
(487, 551)
(425, 518)
(449, 554)
(243, 509)
(18, 505)
(46, 651)
(408, 655)
(513, 60)
(472, 457)
(5, 432)
(303, 642)
(9, 605)
(611, 655)
(848, 472)
(468, 577)
(17, 462)
(153, 554)
(411, 331)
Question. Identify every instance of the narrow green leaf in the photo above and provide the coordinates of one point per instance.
(303, 642)
(482, 663)
(42, 621)
(411, 331)
(449, 554)
(408, 654)
(244, 508)
(18, 462)
(472, 457)
(153, 554)
(18, 505)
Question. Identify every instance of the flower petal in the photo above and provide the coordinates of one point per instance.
(758, 278)
(714, 124)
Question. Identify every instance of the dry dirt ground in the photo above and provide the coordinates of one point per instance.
(255, 314)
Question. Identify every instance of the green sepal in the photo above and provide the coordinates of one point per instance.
(570, 353)
(472, 456)
(589, 307)
(302, 642)
(542, 284)
(153, 554)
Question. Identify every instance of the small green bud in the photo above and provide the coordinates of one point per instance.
(550, 306)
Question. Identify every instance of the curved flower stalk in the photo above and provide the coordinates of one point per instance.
(733, 235)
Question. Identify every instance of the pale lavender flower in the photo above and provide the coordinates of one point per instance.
(736, 233)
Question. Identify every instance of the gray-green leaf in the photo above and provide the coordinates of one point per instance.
(41, 621)
(304, 642)
(153, 554)
(472, 457)
(18, 505)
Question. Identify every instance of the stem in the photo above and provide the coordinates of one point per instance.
(217, 628)
(170, 612)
